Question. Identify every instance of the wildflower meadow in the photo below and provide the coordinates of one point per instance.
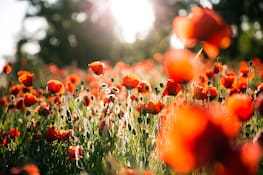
(180, 112)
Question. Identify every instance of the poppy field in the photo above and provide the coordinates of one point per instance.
(180, 112)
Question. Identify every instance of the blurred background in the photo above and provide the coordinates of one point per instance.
(67, 32)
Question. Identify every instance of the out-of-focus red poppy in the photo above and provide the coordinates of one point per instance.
(75, 152)
(55, 70)
(171, 88)
(246, 70)
(129, 171)
(28, 169)
(86, 100)
(63, 134)
(130, 81)
(3, 101)
(54, 100)
(220, 116)
(70, 87)
(203, 93)
(4, 139)
(144, 87)
(55, 87)
(241, 106)
(199, 92)
(158, 57)
(53, 134)
(212, 92)
(191, 137)
(14, 133)
(20, 104)
(134, 97)
(251, 154)
(97, 67)
(202, 80)
(16, 89)
(209, 73)
(242, 84)
(74, 79)
(204, 24)
(151, 107)
(175, 142)
(43, 109)
(26, 78)
(30, 99)
(217, 67)
(229, 81)
(7, 69)
(179, 66)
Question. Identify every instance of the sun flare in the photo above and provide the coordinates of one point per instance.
(134, 17)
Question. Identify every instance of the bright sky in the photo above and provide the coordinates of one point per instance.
(11, 15)
(135, 19)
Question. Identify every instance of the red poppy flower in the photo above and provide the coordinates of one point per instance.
(4, 139)
(14, 133)
(129, 171)
(43, 109)
(97, 67)
(209, 73)
(242, 84)
(241, 106)
(16, 89)
(158, 57)
(3, 101)
(171, 88)
(229, 81)
(217, 67)
(246, 70)
(250, 155)
(212, 91)
(151, 107)
(220, 116)
(70, 87)
(30, 99)
(20, 104)
(26, 78)
(130, 81)
(55, 100)
(63, 134)
(74, 79)
(52, 134)
(200, 92)
(178, 65)
(75, 152)
(144, 87)
(191, 137)
(29, 169)
(175, 142)
(134, 97)
(7, 69)
(205, 25)
(55, 87)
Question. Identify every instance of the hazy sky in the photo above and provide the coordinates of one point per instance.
(11, 15)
